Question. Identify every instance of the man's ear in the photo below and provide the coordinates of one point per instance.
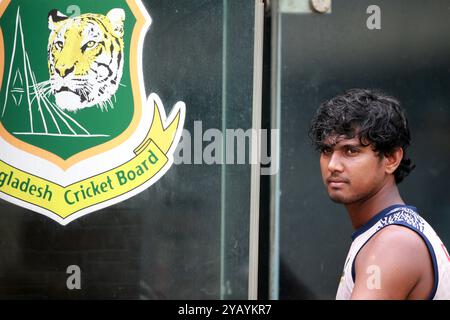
(55, 16)
(392, 160)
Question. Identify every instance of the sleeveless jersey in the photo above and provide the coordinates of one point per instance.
(405, 216)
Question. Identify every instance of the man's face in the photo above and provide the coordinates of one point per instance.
(351, 172)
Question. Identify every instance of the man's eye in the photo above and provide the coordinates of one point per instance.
(351, 152)
(327, 151)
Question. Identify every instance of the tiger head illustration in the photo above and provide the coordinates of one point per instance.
(85, 58)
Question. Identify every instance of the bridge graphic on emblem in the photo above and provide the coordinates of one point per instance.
(34, 98)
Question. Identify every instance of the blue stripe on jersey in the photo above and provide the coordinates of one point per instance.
(377, 217)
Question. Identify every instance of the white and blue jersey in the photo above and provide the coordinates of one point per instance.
(405, 216)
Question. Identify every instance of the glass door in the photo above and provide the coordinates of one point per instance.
(191, 235)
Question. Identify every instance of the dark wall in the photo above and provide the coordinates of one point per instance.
(169, 242)
(322, 56)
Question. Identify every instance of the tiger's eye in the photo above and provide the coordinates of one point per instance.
(90, 44)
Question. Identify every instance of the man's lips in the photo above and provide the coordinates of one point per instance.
(336, 182)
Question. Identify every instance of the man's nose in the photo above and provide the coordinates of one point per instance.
(335, 163)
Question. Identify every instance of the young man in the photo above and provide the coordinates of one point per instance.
(363, 136)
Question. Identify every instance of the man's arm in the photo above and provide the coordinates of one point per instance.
(394, 264)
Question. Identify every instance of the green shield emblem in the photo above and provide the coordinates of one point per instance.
(77, 133)
(67, 85)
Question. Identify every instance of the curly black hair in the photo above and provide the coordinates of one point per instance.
(375, 117)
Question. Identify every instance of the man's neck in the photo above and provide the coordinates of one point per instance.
(362, 211)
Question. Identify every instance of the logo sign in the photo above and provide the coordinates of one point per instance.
(77, 132)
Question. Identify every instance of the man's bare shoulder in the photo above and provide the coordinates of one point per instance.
(401, 257)
(396, 238)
